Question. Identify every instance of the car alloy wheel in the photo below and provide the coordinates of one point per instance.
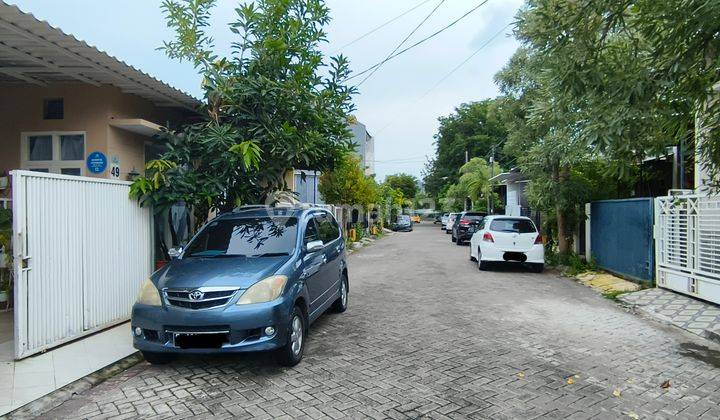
(343, 294)
(296, 335)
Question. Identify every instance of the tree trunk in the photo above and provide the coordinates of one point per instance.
(564, 236)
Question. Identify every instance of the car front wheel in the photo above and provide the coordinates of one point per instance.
(341, 304)
(292, 352)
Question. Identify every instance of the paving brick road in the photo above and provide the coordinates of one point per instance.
(428, 335)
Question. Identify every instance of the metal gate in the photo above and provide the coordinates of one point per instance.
(81, 248)
(687, 245)
(621, 237)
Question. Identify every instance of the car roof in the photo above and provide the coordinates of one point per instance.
(502, 216)
(266, 211)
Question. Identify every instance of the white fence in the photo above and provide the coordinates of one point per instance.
(81, 248)
(687, 245)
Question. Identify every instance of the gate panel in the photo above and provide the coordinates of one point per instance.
(82, 249)
(621, 237)
(687, 243)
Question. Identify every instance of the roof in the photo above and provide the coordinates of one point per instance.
(268, 211)
(33, 51)
(514, 175)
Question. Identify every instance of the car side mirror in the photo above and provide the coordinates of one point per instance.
(175, 252)
(314, 246)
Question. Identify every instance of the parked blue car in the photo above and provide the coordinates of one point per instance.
(250, 280)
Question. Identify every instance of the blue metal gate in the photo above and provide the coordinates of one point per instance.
(621, 237)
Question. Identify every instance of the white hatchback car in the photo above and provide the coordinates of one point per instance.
(447, 226)
(507, 239)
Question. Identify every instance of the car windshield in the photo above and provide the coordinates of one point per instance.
(512, 226)
(403, 218)
(249, 237)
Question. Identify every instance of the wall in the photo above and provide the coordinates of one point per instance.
(86, 108)
(21, 110)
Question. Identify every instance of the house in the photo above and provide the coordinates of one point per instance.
(87, 120)
(512, 191)
(305, 182)
(68, 108)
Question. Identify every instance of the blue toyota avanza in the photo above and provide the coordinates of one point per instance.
(250, 280)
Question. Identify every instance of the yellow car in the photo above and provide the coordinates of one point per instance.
(415, 219)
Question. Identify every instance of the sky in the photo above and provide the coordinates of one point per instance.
(400, 104)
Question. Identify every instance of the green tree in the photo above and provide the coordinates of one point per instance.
(406, 183)
(474, 128)
(275, 103)
(474, 183)
(348, 184)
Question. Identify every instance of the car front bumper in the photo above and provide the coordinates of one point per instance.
(245, 326)
(534, 255)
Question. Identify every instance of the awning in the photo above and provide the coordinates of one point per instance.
(514, 175)
(137, 125)
(32, 51)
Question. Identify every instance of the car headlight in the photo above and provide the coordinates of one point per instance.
(148, 294)
(264, 291)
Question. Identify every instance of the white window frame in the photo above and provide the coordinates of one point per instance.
(55, 165)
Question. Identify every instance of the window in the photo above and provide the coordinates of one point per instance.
(59, 153)
(327, 227)
(247, 237)
(53, 109)
(512, 226)
(311, 233)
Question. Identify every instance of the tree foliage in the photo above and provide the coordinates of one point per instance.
(474, 183)
(475, 128)
(347, 184)
(405, 183)
(275, 103)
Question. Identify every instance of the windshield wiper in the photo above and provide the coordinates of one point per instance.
(271, 254)
(201, 255)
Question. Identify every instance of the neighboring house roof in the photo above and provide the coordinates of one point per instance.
(33, 51)
(514, 175)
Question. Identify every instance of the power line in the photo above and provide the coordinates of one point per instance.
(439, 82)
(432, 12)
(372, 31)
(422, 41)
(484, 44)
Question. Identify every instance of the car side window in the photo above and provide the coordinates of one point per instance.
(311, 232)
(327, 228)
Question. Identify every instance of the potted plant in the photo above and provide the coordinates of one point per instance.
(4, 180)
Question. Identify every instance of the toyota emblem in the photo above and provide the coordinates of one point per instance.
(196, 295)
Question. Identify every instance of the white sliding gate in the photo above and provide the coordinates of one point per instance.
(81, 248)
(687, 245)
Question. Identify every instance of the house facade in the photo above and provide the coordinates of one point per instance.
(68, 108)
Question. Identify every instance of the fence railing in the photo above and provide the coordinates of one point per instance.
(687, 245)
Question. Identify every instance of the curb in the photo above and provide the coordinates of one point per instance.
(708, 334)
(56, 398)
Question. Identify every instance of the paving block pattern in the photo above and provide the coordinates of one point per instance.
(694, 315)
(428, 335)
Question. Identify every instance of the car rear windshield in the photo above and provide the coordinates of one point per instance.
(250, 237)
(473, 216)
(403, 218)
(512, 226)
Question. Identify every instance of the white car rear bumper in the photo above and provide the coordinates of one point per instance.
(490, 252)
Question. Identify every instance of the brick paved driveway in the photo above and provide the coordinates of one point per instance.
(428, 335)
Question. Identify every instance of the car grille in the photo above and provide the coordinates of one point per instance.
(187, 298)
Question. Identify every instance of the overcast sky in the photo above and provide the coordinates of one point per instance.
(396, 104)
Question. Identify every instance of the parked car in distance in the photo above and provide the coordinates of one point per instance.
(250, 280)
(449, 223)
(465, 224)
(507, 239)
(403, 224)
(443, 220)
(415, 218)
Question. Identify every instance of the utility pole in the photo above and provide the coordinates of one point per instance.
(492, 174)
